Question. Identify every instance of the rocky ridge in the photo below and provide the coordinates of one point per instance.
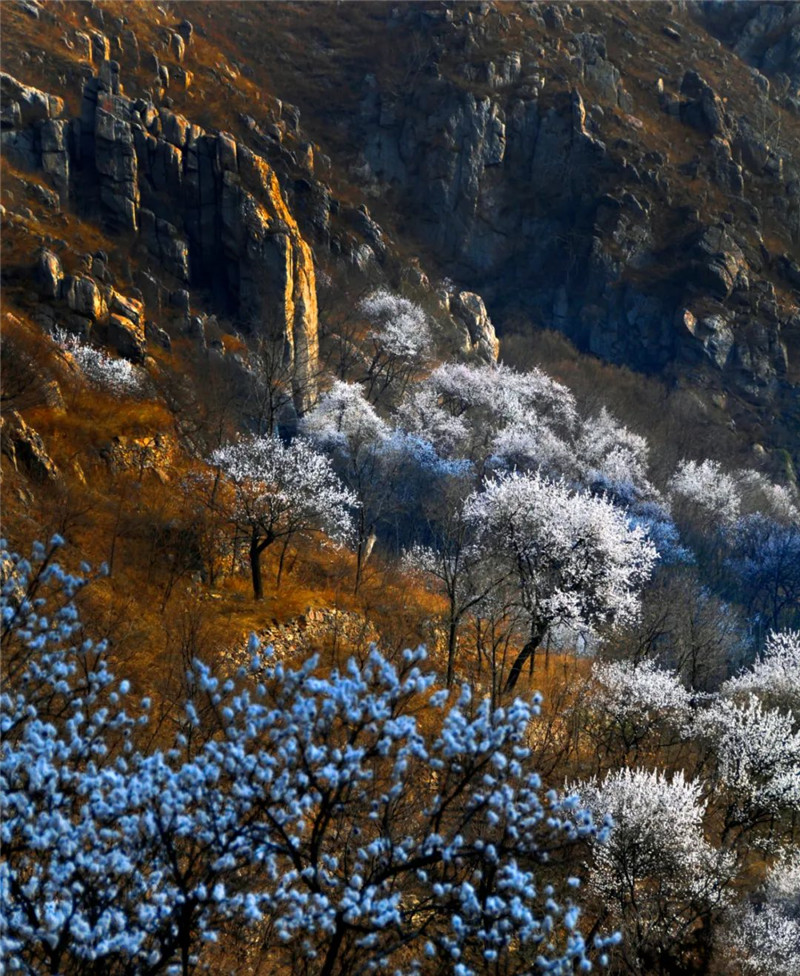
(208, 211)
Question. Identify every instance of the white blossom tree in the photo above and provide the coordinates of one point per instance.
(613, 459)
(281, 490)
(626, 703)
(755, 758)
(400, 338)
(311, 806)
(346, 427)
(760, 495)
(455, 563)
(706, 493)
(765, 933)
(574, 558)
(764, 563)
(775, 676)
(657, 877)
(522, 420)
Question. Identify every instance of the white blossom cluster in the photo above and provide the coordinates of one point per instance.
(775, 677)
(630, 690)
(765, 935)
(282, 488)
(344, 420)
(116, 375)
(614, 459)
(579, 562)
(657, 874)
(658, 831)
(626, 702)
(757, 753)
(482, 412)
(710, 488)
(400, 327)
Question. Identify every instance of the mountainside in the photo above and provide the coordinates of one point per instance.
(623, 174)
(333, 330)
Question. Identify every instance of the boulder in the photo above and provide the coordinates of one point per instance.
(226, 152)
(704, 109)
(127, 338)
(177, 46)
(49, 273)
(185, 29)
(160, 337)
(32, 105)
(83, 45)
(128, 308)
(26, 450)
(84, 297)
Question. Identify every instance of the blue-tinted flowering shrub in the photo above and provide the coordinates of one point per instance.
(314, 807)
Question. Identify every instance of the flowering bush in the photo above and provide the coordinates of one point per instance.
(312, 805)
(116, 375)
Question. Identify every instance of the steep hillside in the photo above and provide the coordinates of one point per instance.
(614, 173)
(334, 330)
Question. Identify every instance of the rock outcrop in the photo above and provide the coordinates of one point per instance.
(508, 173)
(209, 211)
(26, 450)
(481, 338)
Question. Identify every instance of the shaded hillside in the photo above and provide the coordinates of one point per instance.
(334, 330)
(610, 171)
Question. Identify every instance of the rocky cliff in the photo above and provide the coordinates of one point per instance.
(626, 174)
(208, 212)
(547, 191)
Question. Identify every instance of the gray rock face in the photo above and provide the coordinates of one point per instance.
(101, 46)
(766, 35)
(713, 334)
(520, 197)
(718, 263)
(32, 134)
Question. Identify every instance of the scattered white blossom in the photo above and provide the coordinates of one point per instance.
(775, 677)
(117, 375)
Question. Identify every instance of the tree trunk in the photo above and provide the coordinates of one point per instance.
(366, 540)
(452, 646)
(284, 547)
(528, 651)
(256, 548)
(333, 950)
